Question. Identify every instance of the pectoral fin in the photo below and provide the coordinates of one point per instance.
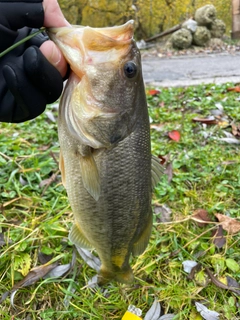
(76, 236)
(90, 175)
(157, 171)
(62, 169)
(140, 245)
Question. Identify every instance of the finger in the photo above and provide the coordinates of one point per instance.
(54, 56)
(53, 16)
(42, 74)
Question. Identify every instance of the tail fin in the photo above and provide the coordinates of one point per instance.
(122, 276)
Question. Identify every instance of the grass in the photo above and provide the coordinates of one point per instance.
(35, 217)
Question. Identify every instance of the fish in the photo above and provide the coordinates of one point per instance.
(105, 149)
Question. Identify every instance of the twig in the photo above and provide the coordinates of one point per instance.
(15, 45)
(164, 33)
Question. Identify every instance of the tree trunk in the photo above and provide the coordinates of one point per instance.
(235, 19)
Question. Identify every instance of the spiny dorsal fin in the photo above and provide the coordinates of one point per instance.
(157, 171)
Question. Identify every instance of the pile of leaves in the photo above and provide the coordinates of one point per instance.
(191, 268)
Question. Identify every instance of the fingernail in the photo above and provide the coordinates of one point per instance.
(56, 56)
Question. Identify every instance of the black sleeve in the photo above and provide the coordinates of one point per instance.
(27, 80)
(16, 14)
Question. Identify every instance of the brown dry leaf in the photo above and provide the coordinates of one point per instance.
(236, 130)
(218, 238)
(222, 285)
(169, 171)
(231, 225)
(32, 277)
(164, 159)
(48, 181)
(201, 217)
(233, 283)
(210, 120)
(235, 89)
(44, 258)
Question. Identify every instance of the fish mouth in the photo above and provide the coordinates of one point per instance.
(83, 45)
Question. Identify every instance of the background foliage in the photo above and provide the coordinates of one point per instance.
(204, 169)
(151, 16)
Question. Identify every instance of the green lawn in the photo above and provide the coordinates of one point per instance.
(203, 172)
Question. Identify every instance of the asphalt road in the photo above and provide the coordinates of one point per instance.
(191, 70)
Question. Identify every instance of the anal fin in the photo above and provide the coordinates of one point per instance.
(76, 236)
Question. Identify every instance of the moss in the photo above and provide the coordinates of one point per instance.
(151, 16)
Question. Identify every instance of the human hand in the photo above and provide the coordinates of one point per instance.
(53, 17)
(30, 77)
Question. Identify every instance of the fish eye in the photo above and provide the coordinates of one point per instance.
(130, 69)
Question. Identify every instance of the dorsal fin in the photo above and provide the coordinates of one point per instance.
(157, 171)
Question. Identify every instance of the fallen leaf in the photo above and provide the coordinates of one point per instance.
(210, 120)
(164, 212)
(164, 159)
(218, 238)
(2, 240)
(236, 130)
(89, 258)
(154, 312)
(169, 171)
(50, 116)
(58, 271)
(44, 258)
(93, 282)
(188, 265)
(220, 284)
(32, 277)
(48, 181)
(206, 313)
(231, 225)
(62, 269)
(229, 140)
(235, 89)
(233, 284)
(158, 127)
(223, 123)
(153, 92)
(174, 135)
(201, 217)
(22, 181)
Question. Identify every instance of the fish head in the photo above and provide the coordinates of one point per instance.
(105, 91)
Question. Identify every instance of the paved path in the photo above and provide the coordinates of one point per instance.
(191, 70)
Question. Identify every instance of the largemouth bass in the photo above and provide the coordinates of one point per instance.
(104, 137)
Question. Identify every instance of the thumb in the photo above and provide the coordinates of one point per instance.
(53, 16)
(54, 56)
